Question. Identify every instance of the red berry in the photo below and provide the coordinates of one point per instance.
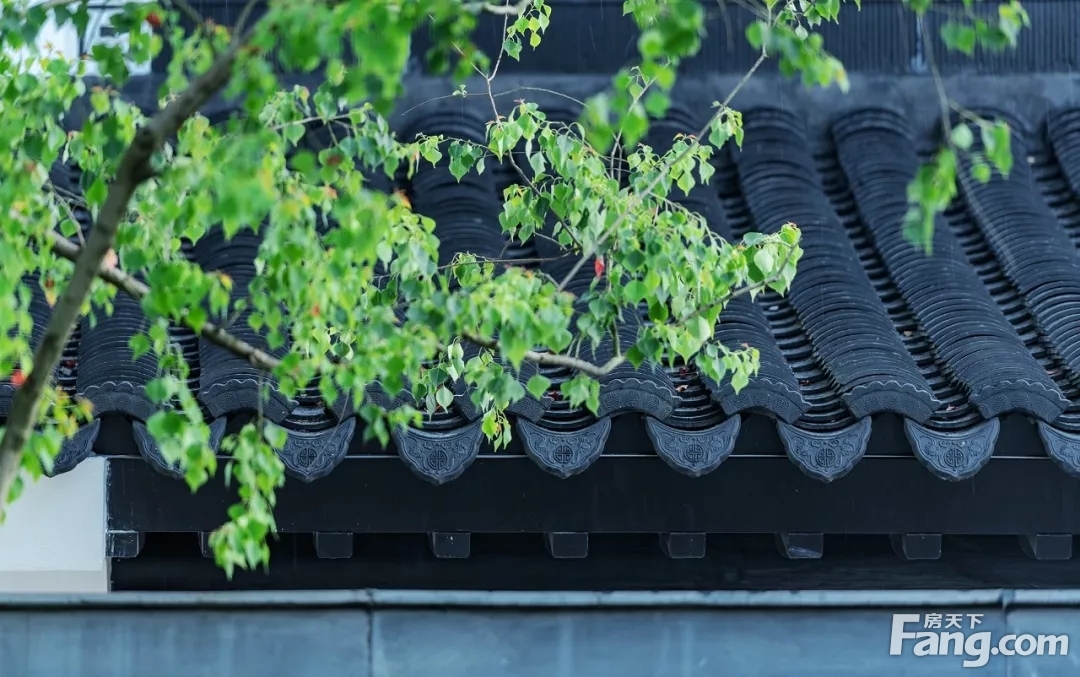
(18, 378)
(598, 266)
(154, 19)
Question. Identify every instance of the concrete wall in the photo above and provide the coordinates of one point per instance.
(53, 539)
(550, 634)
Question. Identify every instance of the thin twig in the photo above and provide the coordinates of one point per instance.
(70, 212)
(501, 10)
(488, 79)
(189, 11)
(552, 359)
(512, 90)
(694, 143)
(245, 14)
(939, 84)
(516, 263)
(618, 135)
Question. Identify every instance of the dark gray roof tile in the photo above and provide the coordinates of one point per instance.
(951, 343)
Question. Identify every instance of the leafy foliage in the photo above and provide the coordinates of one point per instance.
(357, 270)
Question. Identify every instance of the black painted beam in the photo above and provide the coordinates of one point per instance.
(171, 562)
(748, 495)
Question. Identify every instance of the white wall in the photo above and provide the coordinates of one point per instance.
(65, 40)
(53, 539)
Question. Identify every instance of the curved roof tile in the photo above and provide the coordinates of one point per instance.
(902, 333)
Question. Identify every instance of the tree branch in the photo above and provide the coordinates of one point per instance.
(596, 371)
(138, 291)
(221, 337)
(553, 359)
(134, 169)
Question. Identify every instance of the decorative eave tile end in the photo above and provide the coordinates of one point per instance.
(439, 457)
(826, 456)
(564, 453)
(694, 452)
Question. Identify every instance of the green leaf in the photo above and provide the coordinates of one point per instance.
(634, 126)
(490, 424)
(699, 328)
(16, 490)
(513, 48)
(275, 435)
(756, 33)
(139, 344)
(980, 171)
(538, 385)
(920, 7)
(658, 312)
(961, 136)
(430, 151)
(765, 260)
(959, 37)
(997, 139)
(160, 390)
(753, 239)
(444, 397)
(97, 191)
(657, 103)
(462, 158)
(740, 378)
(651, 45)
